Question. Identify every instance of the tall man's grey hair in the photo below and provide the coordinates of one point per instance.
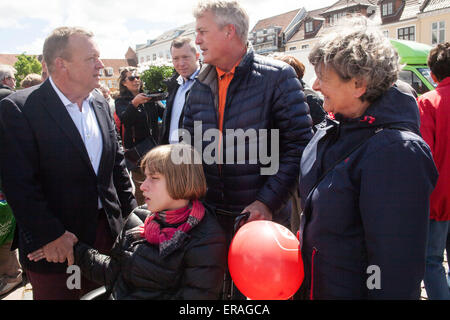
(226, 12)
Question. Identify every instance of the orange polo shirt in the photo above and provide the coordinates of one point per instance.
(224, 82)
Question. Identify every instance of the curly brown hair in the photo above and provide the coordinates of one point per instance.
(359, 50)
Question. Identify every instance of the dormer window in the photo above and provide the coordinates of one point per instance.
(309, 26)
(109, 72)
(335, 17)
(387, 9)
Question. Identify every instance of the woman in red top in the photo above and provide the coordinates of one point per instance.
(435, 128)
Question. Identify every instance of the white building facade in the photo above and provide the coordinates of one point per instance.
(157, 52)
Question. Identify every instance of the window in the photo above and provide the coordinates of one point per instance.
(335, 18)
(426, 72)
(292, 48)
(386, 33)
(408, 33)
(109, 72)
(109, 84)
(413, 80)
(309, 26)
(305, 46)
(142, 59)
(154, 56)
(437, 32)
(388, 9)
(148, 58)
(100, 72)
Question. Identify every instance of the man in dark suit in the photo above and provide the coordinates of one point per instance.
(185, 59)
(63, 171)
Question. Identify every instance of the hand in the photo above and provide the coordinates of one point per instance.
(37, 255)
(258, 211)
(58, 250)
(140, 99)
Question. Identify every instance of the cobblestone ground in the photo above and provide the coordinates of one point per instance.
(25, 292)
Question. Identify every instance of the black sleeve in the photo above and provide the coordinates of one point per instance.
(126, 112)
(104, 269)
(20, 175)
(394, 208)
(316, 110)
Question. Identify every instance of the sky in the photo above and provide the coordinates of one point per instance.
(117, 24)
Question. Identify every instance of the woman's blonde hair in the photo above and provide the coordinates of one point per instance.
(185, 179)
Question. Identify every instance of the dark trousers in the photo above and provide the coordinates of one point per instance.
(229, 290)
(53, 286)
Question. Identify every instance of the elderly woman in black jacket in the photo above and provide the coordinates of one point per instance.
(366, 176)
(138, 116)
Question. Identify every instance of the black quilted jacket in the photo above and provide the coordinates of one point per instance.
(136, 271)
(264, 94)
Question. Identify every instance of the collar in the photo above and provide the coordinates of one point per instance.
(444, 82)
(4, 86)
(64, 99)
(208, 73)
(222, 73)
(181, 81)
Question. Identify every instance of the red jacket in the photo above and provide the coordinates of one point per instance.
(435, 128)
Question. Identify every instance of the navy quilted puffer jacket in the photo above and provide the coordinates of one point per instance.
(264, 94)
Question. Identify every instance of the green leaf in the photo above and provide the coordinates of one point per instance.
(154, 78)
(25, 65)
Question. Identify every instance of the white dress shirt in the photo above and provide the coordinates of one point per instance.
(88, 127)
(178, 105)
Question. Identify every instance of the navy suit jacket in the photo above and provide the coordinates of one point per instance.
(48, 178)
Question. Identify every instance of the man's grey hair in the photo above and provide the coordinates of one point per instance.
(55, 46)
(356, 49)
(6, 71)
(181, 41)
(226, 12)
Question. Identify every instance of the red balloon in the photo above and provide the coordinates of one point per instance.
(265, 262)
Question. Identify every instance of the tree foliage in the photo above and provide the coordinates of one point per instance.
(25, 65)
(154, 78)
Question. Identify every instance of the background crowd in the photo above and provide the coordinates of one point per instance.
(364, 167)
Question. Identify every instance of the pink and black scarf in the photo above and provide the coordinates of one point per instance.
(169, 229)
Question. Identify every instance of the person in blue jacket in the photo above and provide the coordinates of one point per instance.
(366, 176)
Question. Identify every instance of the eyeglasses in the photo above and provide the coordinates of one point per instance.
(132, 78)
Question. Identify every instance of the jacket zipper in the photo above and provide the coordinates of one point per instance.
(312, 273)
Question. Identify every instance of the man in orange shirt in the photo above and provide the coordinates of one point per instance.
(238, 90)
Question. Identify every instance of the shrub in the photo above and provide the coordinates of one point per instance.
(154, 78)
